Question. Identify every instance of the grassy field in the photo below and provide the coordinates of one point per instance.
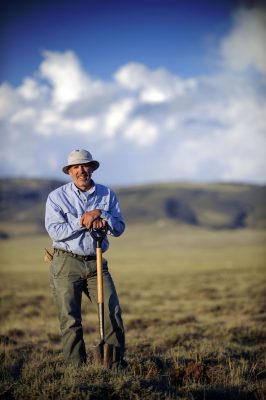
(194, 311)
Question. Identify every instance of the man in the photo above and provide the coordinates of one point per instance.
(70, 211)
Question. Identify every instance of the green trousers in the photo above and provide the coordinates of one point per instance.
(70, 277)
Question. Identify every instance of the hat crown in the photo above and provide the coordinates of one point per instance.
(77, 156)
(80, 157)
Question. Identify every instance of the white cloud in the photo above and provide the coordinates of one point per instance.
(117, 115)
(31, 89)
(85, 125)
(8, 101)
(147, 124)
(142, 132)
(64, 72)
(245, 46)
(51, 122)
(26, 115)
(153, 86)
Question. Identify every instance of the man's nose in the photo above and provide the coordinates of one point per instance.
(82, 168)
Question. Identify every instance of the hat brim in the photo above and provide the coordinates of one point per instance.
(95, 165)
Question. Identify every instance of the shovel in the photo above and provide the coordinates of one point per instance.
(103, 352)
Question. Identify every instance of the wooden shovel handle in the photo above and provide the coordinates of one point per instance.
(99, 274)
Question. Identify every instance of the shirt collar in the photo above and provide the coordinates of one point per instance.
(87, 193)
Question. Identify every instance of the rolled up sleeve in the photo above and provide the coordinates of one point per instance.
(114, 217)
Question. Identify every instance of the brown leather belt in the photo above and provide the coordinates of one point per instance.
(69, 253)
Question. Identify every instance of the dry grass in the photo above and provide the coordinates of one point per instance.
(194, 313)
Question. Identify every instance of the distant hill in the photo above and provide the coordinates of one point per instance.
(217, 206)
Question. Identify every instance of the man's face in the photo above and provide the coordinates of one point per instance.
(81, 175)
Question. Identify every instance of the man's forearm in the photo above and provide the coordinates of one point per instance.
(116, 225)
(63, 230)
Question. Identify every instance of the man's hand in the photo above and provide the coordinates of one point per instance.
(92, 218)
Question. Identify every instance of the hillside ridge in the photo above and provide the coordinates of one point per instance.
(210, 205)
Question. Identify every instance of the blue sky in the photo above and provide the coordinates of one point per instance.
(107, 34)
(156, 90)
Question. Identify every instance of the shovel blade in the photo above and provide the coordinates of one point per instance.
(103, 355)
(108, 355)
(97, 354)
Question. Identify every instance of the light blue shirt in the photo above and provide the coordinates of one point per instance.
(66, 205)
